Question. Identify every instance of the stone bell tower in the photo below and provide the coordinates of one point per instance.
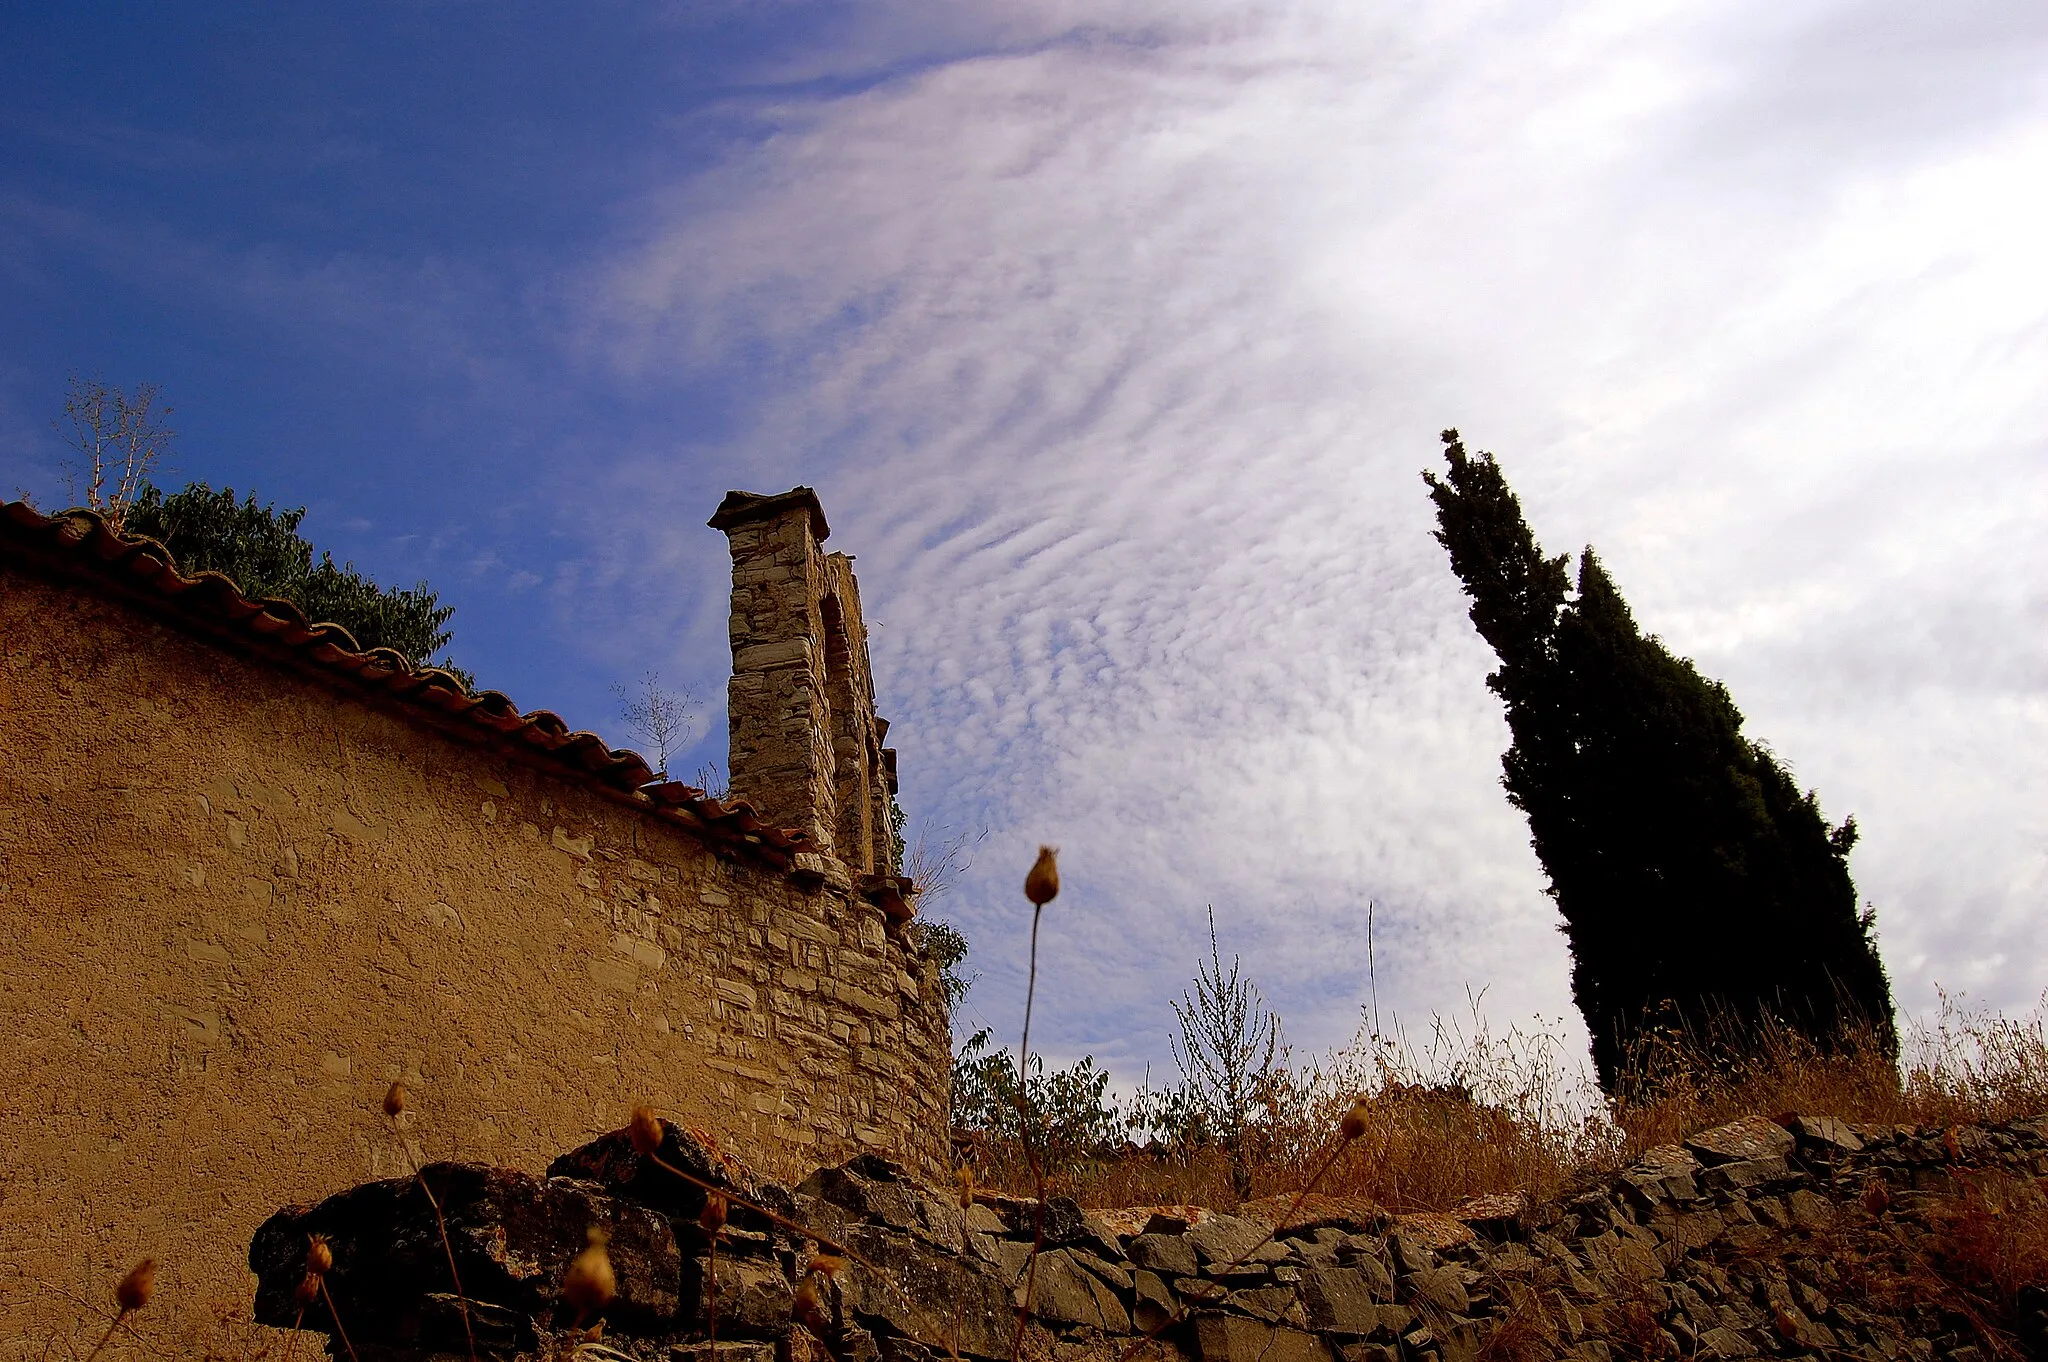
(806, 742)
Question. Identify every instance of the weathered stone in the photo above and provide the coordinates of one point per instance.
(1225, 1239)
(512, 1236)
(1343, 1300)
(1063, 1293)
(1169, 1253)
(929, 1295)
(1409, 1254)
(1662, 1174)
(1152, 1303)
(752, 1300)
(721, 1352)
(1236, 1338)
(1825, 1133)
(1745, 1173)
(611, 1162)
(1438, 1287)
(888, 1200)
(1274, 1304)
(1110, 1272)
(1752, 1137)
(984, 1220)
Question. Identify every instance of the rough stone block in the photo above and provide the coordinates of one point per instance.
(1752, 1137)
(1235, 1338)
(1168, 1253)
(1343, 1300)
(512, 1234)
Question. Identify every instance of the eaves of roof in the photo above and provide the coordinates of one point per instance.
(79, 545)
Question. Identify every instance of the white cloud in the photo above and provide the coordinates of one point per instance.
(1115, 354)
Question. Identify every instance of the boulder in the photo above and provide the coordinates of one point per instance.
(512, 1236)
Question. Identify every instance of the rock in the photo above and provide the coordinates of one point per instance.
(753, 1297)
(1433, 1231)
(1825, 1133)
(725, 1352)
(611, 1162)
(1169, 1253)
(1342, 1300)
(1495, 1216)
(1752, 1137)
(1109, 1271)
(887, 1201)
(1663, 1174)
(1064, 1294)
(512, 1235)
(1235, 1338)
(1745, 1173)
(1438, 1287)
(1225, 1238)
(1409, 1254)
(1175, 1219)
(954, 1298)
(983, 1220)
(1152, 1303)
(1274, 1304)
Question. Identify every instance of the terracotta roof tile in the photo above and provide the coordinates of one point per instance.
(80, 544)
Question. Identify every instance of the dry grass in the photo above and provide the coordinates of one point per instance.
(1470, 1112)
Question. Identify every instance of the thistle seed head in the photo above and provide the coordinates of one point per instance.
(645, 1130)
(307, 1291)
(394, 1100)
(1042, 885)
(589, 1284)
(965, 1176)
(826, 1265)
(319, 1256)
(1356, 1120)
(807, 1305)
(712, 1218)
(136, 1288)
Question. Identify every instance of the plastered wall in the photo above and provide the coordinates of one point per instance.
(236, 903)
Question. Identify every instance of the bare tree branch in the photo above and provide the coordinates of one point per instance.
(662, 719)
(120, 437)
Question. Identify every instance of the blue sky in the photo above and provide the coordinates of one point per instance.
(1114, 337)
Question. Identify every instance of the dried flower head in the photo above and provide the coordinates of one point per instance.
(645, 1130)
(394, 1100)
(136, 1288)
(965, 1177)
(1357, 1119)
(1877, 1198)
(712, 1218)
(319, 1255)
(826, 1265)
(1042, 885)
(307, 1291)
(807, 1305)
(589, 1284)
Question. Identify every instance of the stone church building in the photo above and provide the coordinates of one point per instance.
(251, 874)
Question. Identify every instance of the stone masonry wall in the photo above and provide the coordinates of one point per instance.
(1757, 1239)
(239, 901)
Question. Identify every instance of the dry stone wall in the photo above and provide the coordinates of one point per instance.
(1753, 1240)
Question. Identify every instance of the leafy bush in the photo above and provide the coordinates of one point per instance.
(261, 549)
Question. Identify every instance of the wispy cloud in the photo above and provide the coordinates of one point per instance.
(1116, 352)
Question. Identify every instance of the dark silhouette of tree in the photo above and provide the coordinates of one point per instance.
(261, 549)
(1701, 891)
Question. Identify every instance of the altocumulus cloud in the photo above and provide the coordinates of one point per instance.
(1116, 348)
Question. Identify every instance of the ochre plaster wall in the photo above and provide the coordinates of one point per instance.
(236, 903)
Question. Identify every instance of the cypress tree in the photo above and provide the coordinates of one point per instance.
(1700, 889)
